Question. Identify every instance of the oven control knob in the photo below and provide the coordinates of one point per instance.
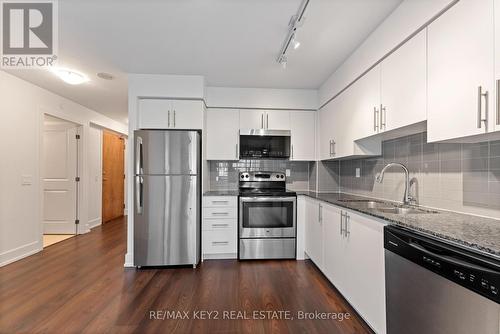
(242, 176)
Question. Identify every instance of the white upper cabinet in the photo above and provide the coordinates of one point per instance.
(363, 105)
(277, 120)
(252, 119)
(222, 134)
(326, 130)
(460, 71)
(265, 119)
(496, 117)
(302, 124)
(403, 85)
(170, 114)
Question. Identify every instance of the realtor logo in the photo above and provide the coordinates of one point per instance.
(29, 33)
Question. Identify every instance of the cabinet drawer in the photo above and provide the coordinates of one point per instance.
(220, 242)
(219, 212)
(219, 224)
(219, 201)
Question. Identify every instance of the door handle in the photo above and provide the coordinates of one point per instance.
(220, 243)
(138, 156)
(331, 147)
(220, 225)
(139, 184)
(347, 224)
(267, 121)
(383, 117)
(168, 116)
(320, 213)
(480, 118)
(498, 102)
(292, 150)
(375, 119)
(237, 153)
(341, 222)
(262, 121)
(174, 118)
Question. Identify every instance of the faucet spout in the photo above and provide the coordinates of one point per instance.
(407, 199)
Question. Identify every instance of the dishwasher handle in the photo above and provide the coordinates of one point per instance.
(452, 260)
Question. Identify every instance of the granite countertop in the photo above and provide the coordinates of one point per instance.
(221, 193)
(475, 233)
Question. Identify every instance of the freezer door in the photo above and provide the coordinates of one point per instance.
(166, 220)
(171, 152)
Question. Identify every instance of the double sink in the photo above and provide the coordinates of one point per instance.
(387, 208)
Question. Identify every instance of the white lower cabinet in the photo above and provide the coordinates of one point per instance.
(220, 227)
(348, 248)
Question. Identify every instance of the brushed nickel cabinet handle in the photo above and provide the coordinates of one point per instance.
(220, 213)
(320, 213)
(174, 118)
(237, 155)
(168, 118)
(341, 222)
(267, 121)
(220, 243)
(213, 202)
(375, 119)
(383, 117)
(334, 147)
(262, 121)
(220, 225)
(498, 102)
(292, 151)
(480, 118)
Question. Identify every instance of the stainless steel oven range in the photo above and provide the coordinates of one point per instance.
(267, 217)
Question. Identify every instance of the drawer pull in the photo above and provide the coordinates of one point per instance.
(220, 213)
(215, 202)
(220, 225)
(220, 243)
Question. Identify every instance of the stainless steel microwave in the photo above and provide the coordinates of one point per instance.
(264, 144)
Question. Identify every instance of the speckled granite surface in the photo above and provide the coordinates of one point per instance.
(221, 193)
(476, 233)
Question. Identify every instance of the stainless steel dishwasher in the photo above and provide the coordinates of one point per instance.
(435, 288)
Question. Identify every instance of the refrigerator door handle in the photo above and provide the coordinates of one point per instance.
(138, 156)
(139, 188)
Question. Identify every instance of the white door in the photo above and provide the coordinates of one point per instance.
(277, 120)
(59, 173)
(252, 119)
(404, 84)
(154, 114)
(364, 266)
(363, 106)
(223, 134)
(332, 247)
(302, 124)
(460, 64)
(314, 231)
(326, 125)
(186, 114)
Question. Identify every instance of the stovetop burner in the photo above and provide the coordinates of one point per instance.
(264, 184)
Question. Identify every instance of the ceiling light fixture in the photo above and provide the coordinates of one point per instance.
(105, 76)
(69, 76)
(296, 22)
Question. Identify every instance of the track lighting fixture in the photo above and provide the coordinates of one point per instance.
(296, 22)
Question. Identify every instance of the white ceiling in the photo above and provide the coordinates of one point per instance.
(233, 43)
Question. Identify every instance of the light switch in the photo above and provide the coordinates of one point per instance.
(358, 172)
(27, 180)
(287, 172)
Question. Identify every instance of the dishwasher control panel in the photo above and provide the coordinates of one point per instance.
(470, 270)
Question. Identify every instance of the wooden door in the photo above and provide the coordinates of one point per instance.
(113, 176)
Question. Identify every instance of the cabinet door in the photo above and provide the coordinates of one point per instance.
(460, 60)
(403, 85)
(363, 253)
(222, 134)
(334, 265)
(496, 118)
(326, 129)
(252, 119)
(313, 228)
(187, 114)
(277, 120)
(362, 102)
(154, 114)
(302, 124)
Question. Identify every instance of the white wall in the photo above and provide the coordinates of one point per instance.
(22, 106)
(225, 97)
(95, 176)
(405, 20)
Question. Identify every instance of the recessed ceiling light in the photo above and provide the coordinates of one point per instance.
(105, 76)
(69, 76)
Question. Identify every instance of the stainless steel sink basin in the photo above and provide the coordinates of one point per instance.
(404, 210)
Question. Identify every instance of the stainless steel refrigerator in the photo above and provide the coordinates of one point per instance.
(167, 198)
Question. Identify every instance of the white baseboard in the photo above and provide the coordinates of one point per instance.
(129, 261)
(20, 253)
(95, 222)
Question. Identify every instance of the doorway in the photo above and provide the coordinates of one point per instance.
(60, 179)
(113, 176)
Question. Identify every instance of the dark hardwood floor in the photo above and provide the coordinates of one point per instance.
(80, 285)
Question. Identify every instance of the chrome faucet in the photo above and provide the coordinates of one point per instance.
(408, 199)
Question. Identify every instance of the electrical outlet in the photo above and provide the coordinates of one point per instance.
(358, 172)
(27, 180)
(287, 172)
